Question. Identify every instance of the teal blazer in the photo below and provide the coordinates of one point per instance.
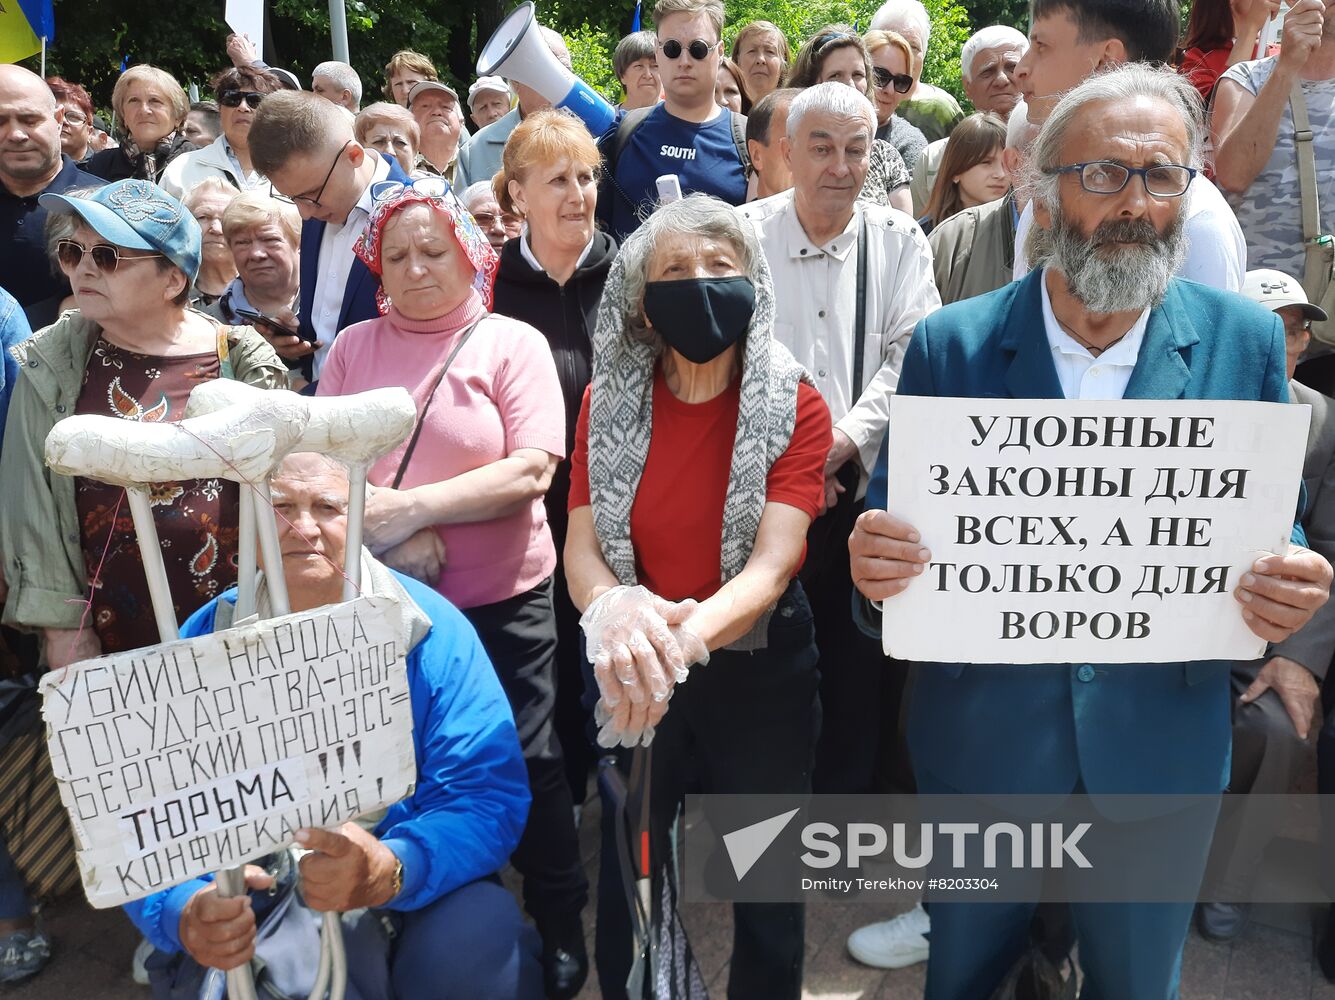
(1050, 728)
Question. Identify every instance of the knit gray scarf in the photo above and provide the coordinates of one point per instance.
(621, 423)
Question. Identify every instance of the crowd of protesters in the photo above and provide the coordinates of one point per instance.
(645, 503)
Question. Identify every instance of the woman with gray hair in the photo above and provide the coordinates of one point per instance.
(698, 466)
(635, 62)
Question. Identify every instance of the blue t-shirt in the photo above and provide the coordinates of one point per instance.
(702, 155)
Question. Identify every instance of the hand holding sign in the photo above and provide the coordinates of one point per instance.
(885, 553)
(1281, 593)
(347, 869)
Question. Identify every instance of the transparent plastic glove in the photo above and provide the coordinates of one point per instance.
(628, 724)
(636, 651)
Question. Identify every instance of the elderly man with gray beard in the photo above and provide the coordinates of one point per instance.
(1102, 318)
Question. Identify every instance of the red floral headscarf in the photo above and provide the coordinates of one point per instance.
(391, 196)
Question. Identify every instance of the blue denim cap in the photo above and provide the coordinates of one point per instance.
(137, 215)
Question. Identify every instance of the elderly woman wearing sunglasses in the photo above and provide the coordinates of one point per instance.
(837, 54)
(238, 91)
(131, 348)
(891, 80)
(459, 504)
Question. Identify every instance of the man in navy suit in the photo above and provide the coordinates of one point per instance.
(1102, 318)
(304, 145)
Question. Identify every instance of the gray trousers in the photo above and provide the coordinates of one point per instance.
(1267, 754)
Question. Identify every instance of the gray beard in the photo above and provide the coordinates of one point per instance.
(1116, 279)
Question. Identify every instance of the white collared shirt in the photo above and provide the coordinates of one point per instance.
(331, 275)
(526, 252)
(815, 290)
(1083, 375)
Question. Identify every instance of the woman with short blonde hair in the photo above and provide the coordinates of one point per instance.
(761, 52)
(404, 71)
(150, 109)
(551, 277)
(891, 80)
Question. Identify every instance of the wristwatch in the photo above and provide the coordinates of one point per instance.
(397, 885)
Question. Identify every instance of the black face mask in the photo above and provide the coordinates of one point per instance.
(700, 318)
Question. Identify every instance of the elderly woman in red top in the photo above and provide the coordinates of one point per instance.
(698, 466)
(459, 505)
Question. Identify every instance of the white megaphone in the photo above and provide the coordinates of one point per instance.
(517, 52)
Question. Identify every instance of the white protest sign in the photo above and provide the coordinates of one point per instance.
(193, 756)
(246, 17)
(1080, 531)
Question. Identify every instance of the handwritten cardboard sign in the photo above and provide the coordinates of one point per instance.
(1090, 532)
(191, 756)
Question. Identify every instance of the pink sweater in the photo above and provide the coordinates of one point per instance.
(500, 394)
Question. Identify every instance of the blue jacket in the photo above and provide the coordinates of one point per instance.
(358, 294)
(471, 801)
(14, 330)
(1118, 728)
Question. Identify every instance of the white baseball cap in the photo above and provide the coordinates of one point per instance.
(1275, 290)
(427, 85)
(487, 83)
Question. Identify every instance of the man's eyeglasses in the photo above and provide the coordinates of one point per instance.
(1163, 180)
(106, 258)
(315, 202)
(233, 98)
(486, 220)
(884, 78)
(699, 49)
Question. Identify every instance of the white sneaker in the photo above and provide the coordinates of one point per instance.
(137, 969)
(893, 944)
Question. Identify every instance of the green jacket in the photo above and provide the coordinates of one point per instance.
(973, 251)
(40, 541)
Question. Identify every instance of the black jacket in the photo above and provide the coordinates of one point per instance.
(115, 164)
(565, 315)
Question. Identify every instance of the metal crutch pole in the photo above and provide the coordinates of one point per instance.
(231, 882)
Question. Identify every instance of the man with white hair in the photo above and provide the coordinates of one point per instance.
(974, 249)
(987, 66)
(338, 83)
(930, 109)
(1104, 318)
(823, 247)
(480, 156)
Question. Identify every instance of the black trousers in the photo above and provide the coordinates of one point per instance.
(744, 723)
(860, 689)
(1325, 780)
(519, 634)
(572, 717)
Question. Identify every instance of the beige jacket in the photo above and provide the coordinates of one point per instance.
(40, 541)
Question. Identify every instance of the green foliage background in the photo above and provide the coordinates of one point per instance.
(187, 37)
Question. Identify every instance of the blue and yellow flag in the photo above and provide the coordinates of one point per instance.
(23, 25)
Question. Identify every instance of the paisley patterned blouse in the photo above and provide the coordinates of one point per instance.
(196, 519)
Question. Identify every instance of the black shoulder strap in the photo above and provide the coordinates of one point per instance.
(860, 309)
(625, 129)
(611, 151)
(739, 140)
(426, 404)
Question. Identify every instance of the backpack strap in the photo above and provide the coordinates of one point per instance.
(739, 140)
(1316, 274)
(630, 121)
